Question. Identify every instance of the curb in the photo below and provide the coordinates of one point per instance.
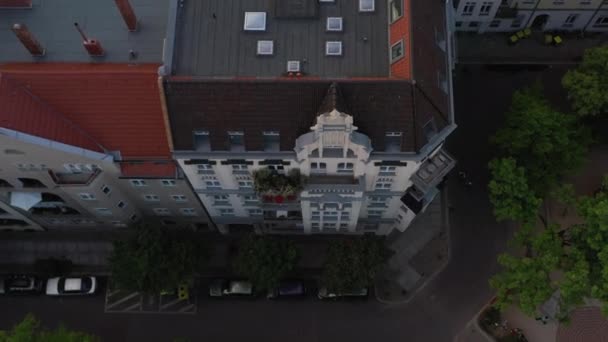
(446, 223)
(475, 323)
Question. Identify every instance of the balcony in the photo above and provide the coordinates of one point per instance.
(433, 170)
(68, 178)
(334, 184)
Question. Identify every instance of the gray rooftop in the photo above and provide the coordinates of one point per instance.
(52, 23)
(211, 40)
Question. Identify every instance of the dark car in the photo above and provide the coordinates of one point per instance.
(288, 289)
(325, 294)
(229, 288)
(20, 284)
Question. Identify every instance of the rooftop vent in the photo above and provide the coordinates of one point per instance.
(296, 9)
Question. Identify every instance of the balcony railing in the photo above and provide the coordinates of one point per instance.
(67, 178)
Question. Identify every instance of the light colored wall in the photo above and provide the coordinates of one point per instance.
(569, 4)
(476, 14)
(603, 13)
(557, 19)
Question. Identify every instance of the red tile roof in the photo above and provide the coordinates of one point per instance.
(23, 112)
(117, 105)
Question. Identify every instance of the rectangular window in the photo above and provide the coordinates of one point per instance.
(236, 141)
(333, 48)
(495, 23)
(151, 198)
(226, 212)
(397, 51)
(188, 211)
(569, 22)
(103, 211)
(255, 212)
(272, 141)
(375, 213)
(601, 22)
(240, 168)
(334, 24)
(396, 9)
(212, 184)
(255, 21)
(201, 141)
(162, 211)
(179, 198)
(367, 5)
(345, 167)
(86, 196)
(469, 8)
(392, 142)
(485, 8)
(251, 200)
(383, 185)
(220, 200)
(138, 182)
(377, 200)
(388, 170)
(245, 184)
(204, 169)
(167, 182)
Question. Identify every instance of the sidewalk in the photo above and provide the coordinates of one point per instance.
(420, 253)
(493, 48)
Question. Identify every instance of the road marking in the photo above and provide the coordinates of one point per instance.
(124, 299)
(187, 308)
(170, 303)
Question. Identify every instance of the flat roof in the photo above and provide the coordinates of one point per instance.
(211, 40)
(52, 23)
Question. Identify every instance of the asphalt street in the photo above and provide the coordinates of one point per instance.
(437, 313)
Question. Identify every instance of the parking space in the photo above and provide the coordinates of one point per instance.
(177, 302)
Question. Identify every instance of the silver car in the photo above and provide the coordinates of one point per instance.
(224, 287)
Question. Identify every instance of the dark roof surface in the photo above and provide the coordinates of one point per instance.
(116, 105)
(52, 23)
(291, 107)
(210, 40)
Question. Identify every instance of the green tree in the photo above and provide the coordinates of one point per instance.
(509, 192)
(587, 84)
(29, 330)
(526, 280)
(545, 142)
(155, 258)
(352, 264)
(265, 260)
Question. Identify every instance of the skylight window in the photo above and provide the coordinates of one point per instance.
(367, 5)
(333, 48)
(265, 47)
(334, 24)
(255, 21)
(293, 66)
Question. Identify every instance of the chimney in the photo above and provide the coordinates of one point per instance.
(92, 46)
(28, 40)
(127, 14)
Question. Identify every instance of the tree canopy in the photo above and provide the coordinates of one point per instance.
(265, 260)
(587, 84)
(29, 330)
(546, 142)
(156, 258)
(352, 264)
(509, 192)
(572, 260)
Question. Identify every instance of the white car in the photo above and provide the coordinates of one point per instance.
(64, 286)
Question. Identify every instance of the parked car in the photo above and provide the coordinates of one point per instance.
(326, 294)
(68, 286)
(224, 287)
(20, 284)
(288, 289)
